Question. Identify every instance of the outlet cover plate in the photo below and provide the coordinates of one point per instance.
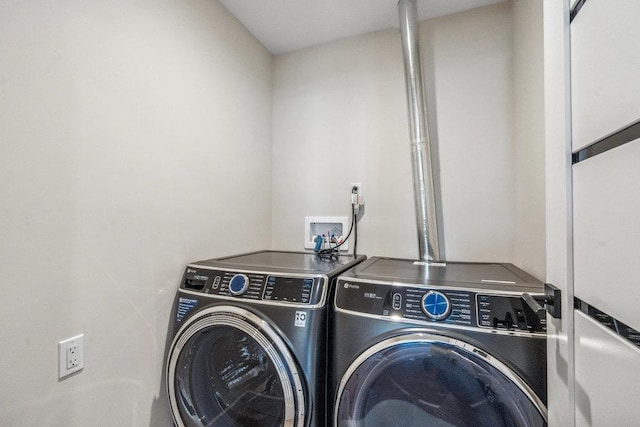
(70, 356)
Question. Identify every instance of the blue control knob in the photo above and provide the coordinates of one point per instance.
(238, 284)
(436, 305)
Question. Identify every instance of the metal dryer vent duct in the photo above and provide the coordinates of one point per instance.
(422, 166)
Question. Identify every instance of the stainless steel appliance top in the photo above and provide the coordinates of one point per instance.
(283, 261)
(489, 276)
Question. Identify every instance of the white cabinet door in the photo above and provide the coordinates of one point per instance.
(605, 97)
(605, 69)
(606, 200)
(607, 376)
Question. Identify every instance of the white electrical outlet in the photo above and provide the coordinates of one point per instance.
(357, 199)
(356, 188)
(70, 356)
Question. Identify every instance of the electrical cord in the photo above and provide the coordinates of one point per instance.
(334, 251)
(355, 232)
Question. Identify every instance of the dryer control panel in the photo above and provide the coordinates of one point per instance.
(255, 286)
(446, 306)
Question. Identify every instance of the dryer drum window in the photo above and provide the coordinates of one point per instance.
(432, 383)
(224, 371)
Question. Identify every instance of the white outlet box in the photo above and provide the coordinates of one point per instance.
(70, 356)
(327, 225)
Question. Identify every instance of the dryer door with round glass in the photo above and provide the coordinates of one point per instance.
(425, 380)
(228, 367)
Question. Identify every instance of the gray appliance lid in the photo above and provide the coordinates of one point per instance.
(283, 261)
(478, 275)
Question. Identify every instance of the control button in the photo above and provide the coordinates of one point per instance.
(436, 305)
(216, 282)
(238, 284)
(397, 301)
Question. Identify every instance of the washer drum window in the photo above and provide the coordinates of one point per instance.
(228, 367)
(425, 380)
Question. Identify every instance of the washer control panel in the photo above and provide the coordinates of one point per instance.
(447, 306)
(255, 286)
(508, 312)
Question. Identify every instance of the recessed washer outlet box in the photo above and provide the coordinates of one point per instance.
(329, 226)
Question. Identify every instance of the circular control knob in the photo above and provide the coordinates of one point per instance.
(436, 305)
(238, 284)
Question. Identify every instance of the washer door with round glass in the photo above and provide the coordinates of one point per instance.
(228, 367)
(426, 380)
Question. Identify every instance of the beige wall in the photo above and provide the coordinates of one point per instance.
(528, 136)
(340, 117)
(131, 136)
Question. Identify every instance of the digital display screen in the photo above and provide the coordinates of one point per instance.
(197, 283)
(288, 289)
(504, 312)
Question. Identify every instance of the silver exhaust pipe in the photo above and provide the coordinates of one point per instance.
(422, 166)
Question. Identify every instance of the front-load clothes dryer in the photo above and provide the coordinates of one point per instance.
(446, 344)
(249, 340)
